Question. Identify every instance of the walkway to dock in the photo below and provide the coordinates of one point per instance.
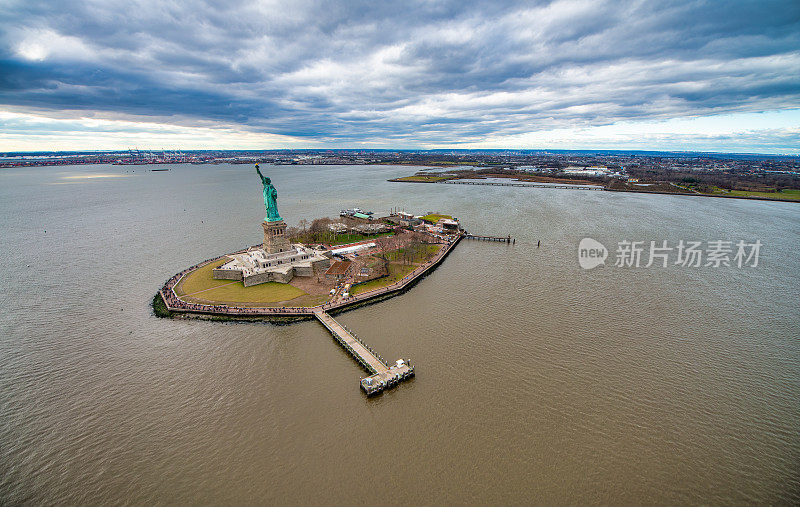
(520, 184)
(383, 375)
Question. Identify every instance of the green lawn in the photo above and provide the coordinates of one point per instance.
(201, 279)
(784, 195)
(199, 285)
(435, 217)
(425, 253)
(236, 292)
(396, 272)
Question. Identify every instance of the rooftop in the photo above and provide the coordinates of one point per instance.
(352, 248)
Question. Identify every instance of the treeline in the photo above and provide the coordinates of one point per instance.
(317, 231)
(406, 248)
(704, 181)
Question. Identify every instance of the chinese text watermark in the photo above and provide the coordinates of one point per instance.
(692, 254)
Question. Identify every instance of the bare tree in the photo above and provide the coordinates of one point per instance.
(293, 233)
(412, 249)
(384, 247)
(320, 224)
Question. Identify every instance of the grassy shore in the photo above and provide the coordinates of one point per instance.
(160, 310)
(783, 195)
(159, 307)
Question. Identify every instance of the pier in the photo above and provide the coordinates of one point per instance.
(520, 184)
(500, 239)
(383, 375)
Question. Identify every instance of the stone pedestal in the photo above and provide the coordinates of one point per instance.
(275, 237)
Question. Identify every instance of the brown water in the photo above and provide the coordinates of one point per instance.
(537, 382)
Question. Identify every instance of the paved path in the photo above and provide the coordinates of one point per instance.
(365, 356)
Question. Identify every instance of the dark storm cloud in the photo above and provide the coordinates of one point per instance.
(418, 71)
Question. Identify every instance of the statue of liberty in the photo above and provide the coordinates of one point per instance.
(270, 198)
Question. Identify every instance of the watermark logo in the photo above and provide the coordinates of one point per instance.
(591, 253)
(690, 254)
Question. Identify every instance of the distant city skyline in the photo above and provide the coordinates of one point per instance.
(582, 75)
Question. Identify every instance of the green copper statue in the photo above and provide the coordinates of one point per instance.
(270, 198)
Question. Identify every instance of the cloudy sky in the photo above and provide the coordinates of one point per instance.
(674, 75)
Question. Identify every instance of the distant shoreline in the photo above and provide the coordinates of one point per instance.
(564, 181)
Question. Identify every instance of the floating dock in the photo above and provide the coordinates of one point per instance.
(383, 375)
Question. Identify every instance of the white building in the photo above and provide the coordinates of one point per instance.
(256, 266)
(587, 171)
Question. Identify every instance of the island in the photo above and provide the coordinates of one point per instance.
(311, 272)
